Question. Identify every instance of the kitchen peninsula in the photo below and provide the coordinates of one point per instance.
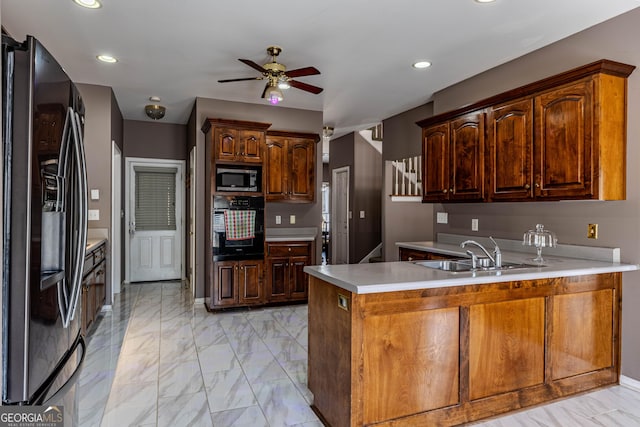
(401, 344)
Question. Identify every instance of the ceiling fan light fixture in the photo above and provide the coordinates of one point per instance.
(283, 85)
(273, 95)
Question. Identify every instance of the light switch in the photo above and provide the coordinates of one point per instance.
(278, 219)
(361, 214)
(292, 219)
(94, 215)
(474, 224)
(95, 194)
(442, 218)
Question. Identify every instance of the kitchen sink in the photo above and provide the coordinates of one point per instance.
(461, 265)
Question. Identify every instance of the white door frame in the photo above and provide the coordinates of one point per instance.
(192, 219)
(180, 200)
(335, 192)
(116, 219)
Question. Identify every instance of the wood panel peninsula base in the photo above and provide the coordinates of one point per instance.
(445, 356)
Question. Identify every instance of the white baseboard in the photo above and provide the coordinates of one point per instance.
(630, 383)
(198, 301)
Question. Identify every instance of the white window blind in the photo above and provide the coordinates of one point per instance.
(155, 203)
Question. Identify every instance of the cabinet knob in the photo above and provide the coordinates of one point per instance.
(289, 249)
(527, 186)
(445, 191)
(537, 185)
(410, 258)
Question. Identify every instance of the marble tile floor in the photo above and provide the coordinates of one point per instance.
(158, 359)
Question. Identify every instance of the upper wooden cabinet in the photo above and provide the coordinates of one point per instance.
(565, 165)
(509, 170)
(453, 154)
(290, 165)
(234, 141)
(563, 137)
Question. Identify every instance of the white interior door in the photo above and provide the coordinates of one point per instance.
(155, 220)
(116, 218)
(192, 220)
(340, 216)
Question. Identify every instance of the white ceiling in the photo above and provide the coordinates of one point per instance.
(178, 49)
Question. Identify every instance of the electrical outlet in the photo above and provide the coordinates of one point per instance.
(292, 219)
(278, 219)
(474, 224)
(592, 231)
(94, 215)
(361, 214)
(442, 218)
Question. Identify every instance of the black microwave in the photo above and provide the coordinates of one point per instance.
(244, 178)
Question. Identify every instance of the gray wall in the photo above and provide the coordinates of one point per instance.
(365, 182)
(403, 221)
(619, 222)
(366, 232)
(103, 124)
(155, 140)
(281, 118)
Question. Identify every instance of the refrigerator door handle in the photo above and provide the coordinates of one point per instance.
(82, 213)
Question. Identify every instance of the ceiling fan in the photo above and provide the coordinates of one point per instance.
(278, 78)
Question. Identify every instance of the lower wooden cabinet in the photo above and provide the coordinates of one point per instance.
(93, 290)
(236, 283)
(461, 353)
(285, 264)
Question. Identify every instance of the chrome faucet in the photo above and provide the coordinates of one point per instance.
(496, 259)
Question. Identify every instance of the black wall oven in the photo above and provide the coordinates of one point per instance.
(237, 227)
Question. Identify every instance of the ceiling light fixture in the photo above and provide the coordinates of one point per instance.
(107, 58)
(90, 4)
(484, 1)
(283, 84)
(155, 111)
(273, 95)
(422, 64)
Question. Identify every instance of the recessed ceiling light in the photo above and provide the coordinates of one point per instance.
(484, 1)
(107, 58)
(91, 4)
(422, 64)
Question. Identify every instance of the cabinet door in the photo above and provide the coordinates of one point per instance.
(250, 282)
(275, 187)
(225, 283)
(301, 181)
(466, 176)
(86, 319)
(435, 155)
(412, 254)
(509, 168)
(226, 144)
(251, 142)
(297, 278)
(278, 269)
(564, 166)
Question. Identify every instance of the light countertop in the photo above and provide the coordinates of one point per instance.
(403, 276)
(93, 243)
(300, 234)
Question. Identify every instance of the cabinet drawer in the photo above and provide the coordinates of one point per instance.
(290, 249)
(99, 254)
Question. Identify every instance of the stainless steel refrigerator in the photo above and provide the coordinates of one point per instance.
(44, 227)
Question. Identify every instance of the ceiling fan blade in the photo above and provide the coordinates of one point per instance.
(265, 90)
(239, 80)
(300, 72)
(253, 65)
(305, 86)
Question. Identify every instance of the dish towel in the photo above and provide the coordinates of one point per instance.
(239, 225)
